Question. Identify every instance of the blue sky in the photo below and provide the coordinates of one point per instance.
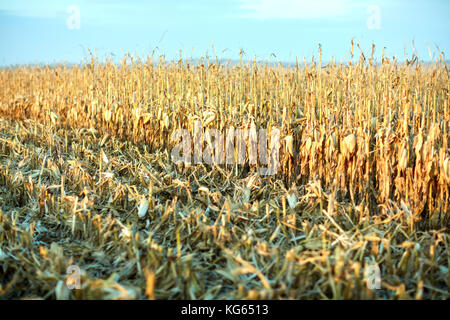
(47, 31)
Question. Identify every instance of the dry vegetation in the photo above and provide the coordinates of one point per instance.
(364, 177)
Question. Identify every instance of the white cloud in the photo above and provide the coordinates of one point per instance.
(91, 11)
(294, 9)
(35, 9)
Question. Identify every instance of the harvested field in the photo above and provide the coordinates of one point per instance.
(87, 181)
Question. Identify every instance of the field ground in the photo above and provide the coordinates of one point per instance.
(363, 181)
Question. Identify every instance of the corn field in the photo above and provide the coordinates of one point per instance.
(86, 180)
